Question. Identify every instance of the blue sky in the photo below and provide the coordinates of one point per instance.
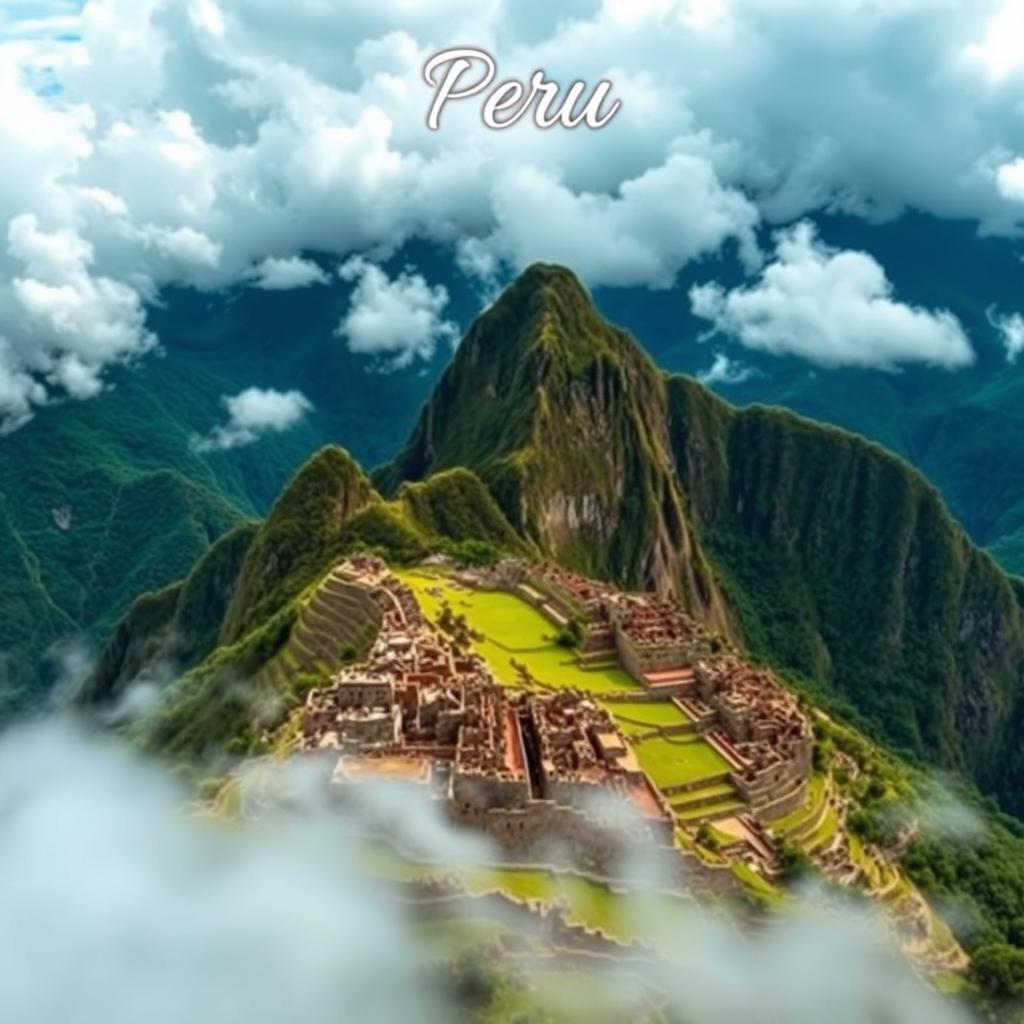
(55, 18)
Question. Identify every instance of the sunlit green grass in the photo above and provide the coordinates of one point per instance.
(675, 764)
(513, 629)
(636, 717)
(809, 809)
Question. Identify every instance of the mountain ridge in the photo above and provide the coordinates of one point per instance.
(826, 556)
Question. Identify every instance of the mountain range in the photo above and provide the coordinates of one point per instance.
(552, 432)
(60, 475)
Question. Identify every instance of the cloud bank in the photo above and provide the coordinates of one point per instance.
(213, 142)
(124, 908)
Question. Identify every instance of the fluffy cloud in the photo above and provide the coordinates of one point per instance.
(276, 275)
(724, 370)
(1010, 180)
(140, 911)
(190, 143)
(641, 235)
(253, 413)
(834, 308)
(397, 320)
(77, 322)
(1011, 332)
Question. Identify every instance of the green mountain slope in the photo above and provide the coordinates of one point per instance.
(562, 416)
(845, 566)
(80, 536)
(166, 632)
(820, 552)
(834, 559)
(209, 640)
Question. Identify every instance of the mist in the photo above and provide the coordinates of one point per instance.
(121, 903)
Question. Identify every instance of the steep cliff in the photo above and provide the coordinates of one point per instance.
(170, 630)
(305, 524)
(563, 416)
(844, 565)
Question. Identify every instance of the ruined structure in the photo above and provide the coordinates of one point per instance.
(745, 713)
(536, 765)
(527, 768)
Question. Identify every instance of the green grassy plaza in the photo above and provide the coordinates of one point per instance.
(638, 717)
(514, 629)
(672, 763)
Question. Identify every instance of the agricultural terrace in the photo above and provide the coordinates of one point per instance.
(640, 717)
(512, 629)
(623, 915)
(679, 762)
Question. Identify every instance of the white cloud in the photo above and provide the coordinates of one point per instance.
(1010, 180)
(191, 143)
(724, 370)
(1011, 331)
(141, 911)
(399, 320)
(253, 413)
(286, 274)
(641, 235)
(834, 308)
(77, 322)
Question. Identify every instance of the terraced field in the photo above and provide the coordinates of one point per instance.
(586, 902)
(335, 625)
(801, 823)
(638, 717)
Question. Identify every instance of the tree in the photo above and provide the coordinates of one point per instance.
(476, 553)
(795, 864)
(999, 970)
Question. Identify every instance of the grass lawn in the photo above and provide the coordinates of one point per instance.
(824, 834)
(639, 717)
(675, 764)
(513, 629)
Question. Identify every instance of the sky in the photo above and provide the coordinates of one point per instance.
(220, 143)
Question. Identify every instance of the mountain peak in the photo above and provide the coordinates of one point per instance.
(550, 279)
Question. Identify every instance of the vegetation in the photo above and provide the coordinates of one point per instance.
(817, 551)
(171, 630)
(678, 762)
(538, 368)
(525, 636)
(825, 556)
